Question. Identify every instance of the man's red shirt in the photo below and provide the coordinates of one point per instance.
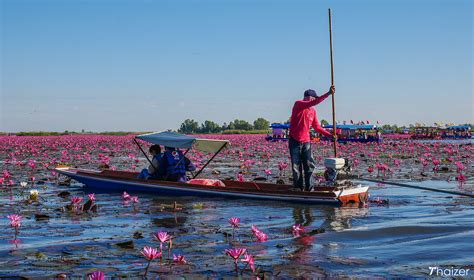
(303, 116)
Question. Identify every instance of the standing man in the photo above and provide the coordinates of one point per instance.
(303, 116)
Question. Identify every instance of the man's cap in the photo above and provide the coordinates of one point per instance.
(310, 92)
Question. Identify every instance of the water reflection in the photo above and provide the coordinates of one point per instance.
(174, 221)
(303, 216)
(334, 219)
(340, 218)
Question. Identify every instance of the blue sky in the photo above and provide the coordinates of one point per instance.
(108, 65)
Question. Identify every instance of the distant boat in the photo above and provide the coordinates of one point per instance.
(279, 132)
(356, 133)
(426, 133)
(456, 132)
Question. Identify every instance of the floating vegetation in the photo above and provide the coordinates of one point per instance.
(60, 229)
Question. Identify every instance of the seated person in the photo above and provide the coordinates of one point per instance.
(173, 165)
(152, 171)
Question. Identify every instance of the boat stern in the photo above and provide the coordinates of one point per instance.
(357, 195)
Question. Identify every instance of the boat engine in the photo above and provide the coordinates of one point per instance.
(335, 166)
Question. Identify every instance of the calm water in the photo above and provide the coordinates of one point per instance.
(417, 230)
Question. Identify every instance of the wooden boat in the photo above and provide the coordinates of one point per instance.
(120, 181)
(128, 181)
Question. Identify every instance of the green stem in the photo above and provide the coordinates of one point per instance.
(146, 271)
(236, 267)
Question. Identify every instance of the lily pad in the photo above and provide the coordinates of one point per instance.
(138, 234)
(41, 217)
(126, 245)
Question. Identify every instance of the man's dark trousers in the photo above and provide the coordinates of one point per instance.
(301, 160)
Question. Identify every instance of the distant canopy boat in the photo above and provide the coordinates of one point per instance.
(426, 133)
(456, 132)
(279, 132)
(110, 180)
(356, 133)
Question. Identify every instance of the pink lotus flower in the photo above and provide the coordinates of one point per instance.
(261, 237)
(6, 175)
(15, 242)
(234, 222)
(282, 165)
(179, 259)
(134, 199)
(268, 171)
(297, 230)
(76, 200)
(255, 229)
(240, 177)
(125, 196)
(150, 253)
(460, 166)
(91, 196)
(461, 178)
(235, 253)
(32, 164)
(250, 261)
(15, 220)
(162, 236)
(370, 169)
(97, 275)
(249, 163)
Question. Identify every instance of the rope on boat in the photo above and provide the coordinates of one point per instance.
(417, 187)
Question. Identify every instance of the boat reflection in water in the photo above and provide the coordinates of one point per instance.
(339, 219)
(333, 220)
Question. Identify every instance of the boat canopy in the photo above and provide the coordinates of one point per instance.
(459, 127)
(353, 126)
(176, 140)
(279, 125)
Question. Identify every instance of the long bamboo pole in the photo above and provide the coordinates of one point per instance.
(332, 84)
(416, 187)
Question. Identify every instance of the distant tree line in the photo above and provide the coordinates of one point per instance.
(237, 126)
(190, 126)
